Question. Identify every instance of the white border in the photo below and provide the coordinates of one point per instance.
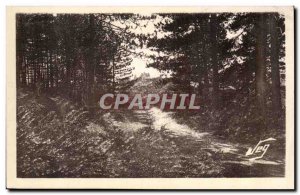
(148, 183)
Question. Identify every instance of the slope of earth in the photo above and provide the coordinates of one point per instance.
(57, 139)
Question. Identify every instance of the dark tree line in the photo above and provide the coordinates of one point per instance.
(79, 55)
(230, 60)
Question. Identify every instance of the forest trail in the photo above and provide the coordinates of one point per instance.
(174, 149)
(126, 143)
(161, 146)
(65, 63)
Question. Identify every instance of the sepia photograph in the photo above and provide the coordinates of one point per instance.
(153, 94)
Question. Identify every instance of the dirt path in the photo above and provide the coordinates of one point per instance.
(145, 143)
(161, 147)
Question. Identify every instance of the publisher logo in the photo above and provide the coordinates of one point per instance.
(259, 150)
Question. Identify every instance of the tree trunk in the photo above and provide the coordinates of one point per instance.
(51, 71)
(214, 61)
(276, 96)
(260, 68)
(91, 61)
